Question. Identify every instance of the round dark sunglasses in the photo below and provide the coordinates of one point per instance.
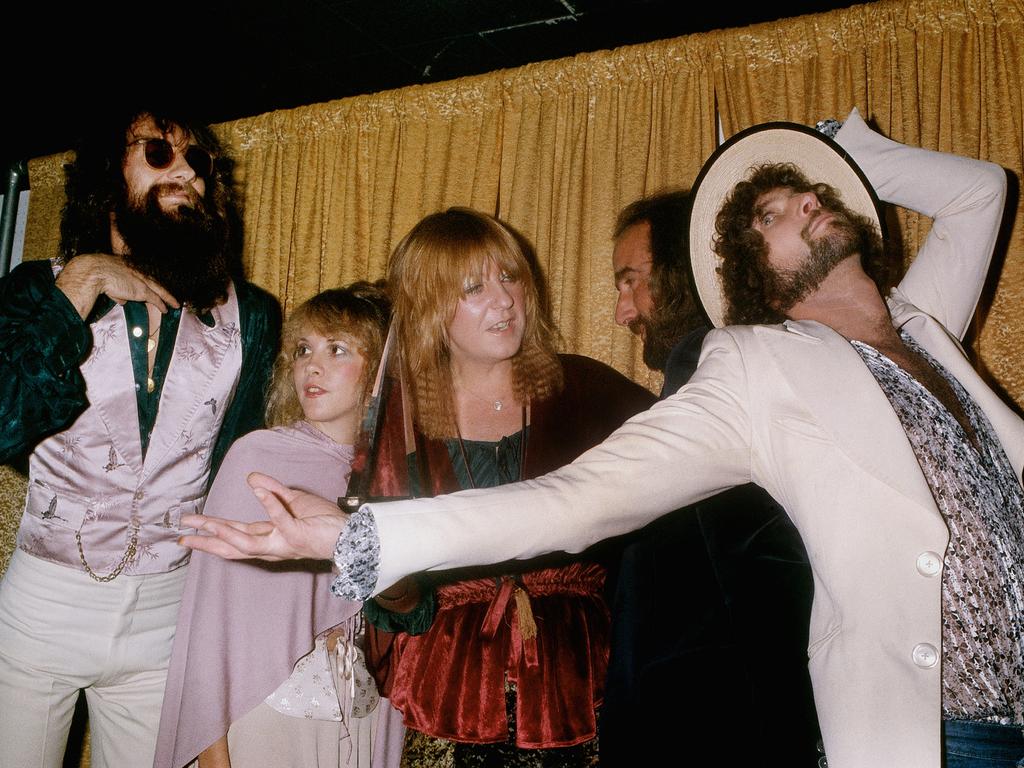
(159, 154)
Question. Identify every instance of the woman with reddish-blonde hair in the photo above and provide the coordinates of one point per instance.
(501, 665)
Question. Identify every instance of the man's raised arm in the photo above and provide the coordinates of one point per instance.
(965, 199)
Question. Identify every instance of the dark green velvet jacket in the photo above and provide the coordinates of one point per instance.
(43, 341)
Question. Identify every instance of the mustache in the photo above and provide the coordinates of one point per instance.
(840, 221)
(172, 188)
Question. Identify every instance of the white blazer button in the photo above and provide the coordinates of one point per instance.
(929, 563)
(925, 655)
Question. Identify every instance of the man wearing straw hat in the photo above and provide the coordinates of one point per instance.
(860, 414)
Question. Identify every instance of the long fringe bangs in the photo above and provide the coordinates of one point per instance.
(428, 272)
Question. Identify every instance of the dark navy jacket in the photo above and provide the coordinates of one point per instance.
(710, 616)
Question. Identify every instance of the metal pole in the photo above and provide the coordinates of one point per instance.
(17, 172)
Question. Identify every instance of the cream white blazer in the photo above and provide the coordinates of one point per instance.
(792, 408)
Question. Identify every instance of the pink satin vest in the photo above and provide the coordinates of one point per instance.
(91, 478)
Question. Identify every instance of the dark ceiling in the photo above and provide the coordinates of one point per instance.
(226, 59)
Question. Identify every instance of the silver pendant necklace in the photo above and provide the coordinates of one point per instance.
(495, 403)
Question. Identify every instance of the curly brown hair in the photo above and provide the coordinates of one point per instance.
(750, 285)
(359, 311)
(426, 274)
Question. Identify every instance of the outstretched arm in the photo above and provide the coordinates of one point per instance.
(618, 486)
(301, 526)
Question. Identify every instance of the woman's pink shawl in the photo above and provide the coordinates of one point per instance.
(244, 624)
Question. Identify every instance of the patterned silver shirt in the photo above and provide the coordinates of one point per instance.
(982, 503)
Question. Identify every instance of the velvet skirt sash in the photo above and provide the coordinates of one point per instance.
(450, 681)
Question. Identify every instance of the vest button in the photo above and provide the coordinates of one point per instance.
(137, 331)
(929, 563)
(925, 655)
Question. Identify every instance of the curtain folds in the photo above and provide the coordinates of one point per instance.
(557, 148)
(329, 189)
(941, 74)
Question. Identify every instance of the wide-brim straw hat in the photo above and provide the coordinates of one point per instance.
(820, 159)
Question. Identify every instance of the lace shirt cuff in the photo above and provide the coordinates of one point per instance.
(357, 558)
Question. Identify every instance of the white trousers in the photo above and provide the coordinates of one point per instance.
(62, 632)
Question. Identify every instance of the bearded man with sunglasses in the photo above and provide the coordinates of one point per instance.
(127, 366)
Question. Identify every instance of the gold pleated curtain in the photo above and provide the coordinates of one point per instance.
(940, 74)
(554, 149)
(557, 148)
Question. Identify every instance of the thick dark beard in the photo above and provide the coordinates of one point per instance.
(787, 287)
(185, 250)
(657, 343)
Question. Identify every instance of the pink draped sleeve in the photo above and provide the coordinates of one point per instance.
(243, 624)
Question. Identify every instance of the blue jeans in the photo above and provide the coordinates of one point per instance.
(969, 744)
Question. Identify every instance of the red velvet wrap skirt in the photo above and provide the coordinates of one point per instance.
(450, 681)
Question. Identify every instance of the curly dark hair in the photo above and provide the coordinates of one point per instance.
(748, 282)
(95, 184)
(675, 312)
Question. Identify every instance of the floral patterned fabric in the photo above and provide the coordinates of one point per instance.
(982, 503)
